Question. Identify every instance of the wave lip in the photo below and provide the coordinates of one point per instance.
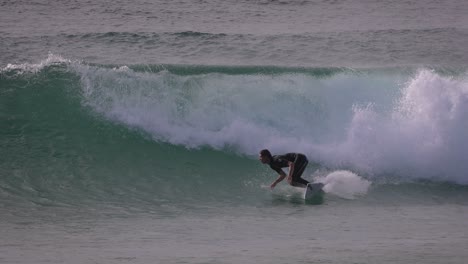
(52, 59)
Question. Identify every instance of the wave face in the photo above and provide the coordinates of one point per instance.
(76, 133)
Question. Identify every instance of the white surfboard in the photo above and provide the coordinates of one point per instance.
(313, 190)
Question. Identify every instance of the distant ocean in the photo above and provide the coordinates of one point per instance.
(130, 131)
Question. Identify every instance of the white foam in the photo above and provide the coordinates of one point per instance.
(344, 184)
(35, 67)
(424, 137)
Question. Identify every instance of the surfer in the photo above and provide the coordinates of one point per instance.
(296, 162)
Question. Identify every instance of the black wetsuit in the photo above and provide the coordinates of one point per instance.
(300, 163)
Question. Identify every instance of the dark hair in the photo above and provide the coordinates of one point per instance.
(265, 152)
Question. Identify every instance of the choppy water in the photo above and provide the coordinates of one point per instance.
(129, 132)
(293, 33)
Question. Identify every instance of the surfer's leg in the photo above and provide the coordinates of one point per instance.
(299, 168)
(299, 183)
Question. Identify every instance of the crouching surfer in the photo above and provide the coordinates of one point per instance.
(296, 162)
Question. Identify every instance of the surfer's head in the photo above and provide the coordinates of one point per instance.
(265, 156)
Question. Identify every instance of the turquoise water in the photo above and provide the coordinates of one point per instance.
(129, 132)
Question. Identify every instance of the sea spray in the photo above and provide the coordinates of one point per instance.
(344, 184)
(423, 137)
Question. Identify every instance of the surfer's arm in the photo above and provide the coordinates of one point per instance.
(281, 177)
(291, 170)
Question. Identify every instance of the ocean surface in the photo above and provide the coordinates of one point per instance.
(130, 131)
